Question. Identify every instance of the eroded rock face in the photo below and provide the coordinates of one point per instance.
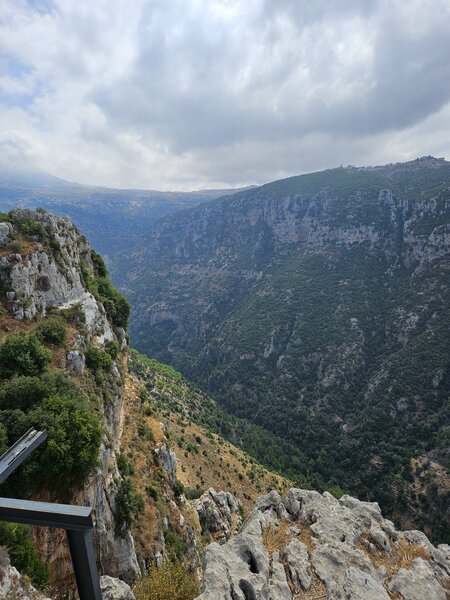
(48, 273)
(167, 459)
(115, 589)
(13, 585)
(219, 513)
(308, 542)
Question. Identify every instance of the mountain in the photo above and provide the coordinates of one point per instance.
(113, 419)
(317, 307)
(112, 219)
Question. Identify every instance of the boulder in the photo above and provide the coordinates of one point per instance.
(115, 589)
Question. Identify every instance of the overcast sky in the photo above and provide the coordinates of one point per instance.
(187, 94)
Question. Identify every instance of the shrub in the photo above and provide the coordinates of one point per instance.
(97, 359)
(22, 392)
(99, 264)
(126, 468)
(175, 544)
(52, 330)
(74, 315)
(24, 556)
(23, 355)
(172, 581)
(74, 435)
(178, 487)
(152, 491)
(145, 432)
(128, 504)
(112, 348)
(117, 306)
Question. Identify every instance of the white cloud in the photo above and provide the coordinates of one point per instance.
(186, 93)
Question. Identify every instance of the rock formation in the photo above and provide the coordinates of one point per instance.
(313, 546)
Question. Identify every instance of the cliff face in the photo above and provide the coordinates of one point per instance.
(317, 307)
(308, 545)
(45, 265)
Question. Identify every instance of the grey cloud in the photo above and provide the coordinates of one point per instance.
(173, 93)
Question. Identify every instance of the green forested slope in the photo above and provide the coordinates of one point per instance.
(317, 308)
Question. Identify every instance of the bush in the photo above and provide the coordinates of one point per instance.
(126, 468)
(117, 306)
(22, 392)
(71, 451)
(172, 581)
(128, 503)
(112, 348)
(97, 359)
(175, 544)
(24, 556)
(52, 330)
(23, 355)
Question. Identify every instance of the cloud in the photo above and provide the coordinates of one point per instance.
(181, 94)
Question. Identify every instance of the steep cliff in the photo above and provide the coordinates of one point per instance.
(52, 284)
(317, 307)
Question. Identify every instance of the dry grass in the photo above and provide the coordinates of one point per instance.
(171, 582)
(317, 591)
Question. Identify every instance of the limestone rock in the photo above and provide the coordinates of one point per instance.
(167, 459)
(298, 564)
(75, 361)
(417, 582)
(5, 232)
(297, 544)
(358, 585)
(115, 589)
(219, 513)
(12, 584)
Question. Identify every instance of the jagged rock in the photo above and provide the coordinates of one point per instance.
(167, 459)
(5, 232)
(13, 585)
(219, 513)
(115, 589)
(358, 585)
(298, 564)
(75, 361)
(417, 583)
(50, 275)
(245, 568)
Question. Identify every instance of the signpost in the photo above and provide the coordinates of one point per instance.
(76, 520)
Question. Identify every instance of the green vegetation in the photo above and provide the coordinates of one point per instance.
(30, 397)
(18, 541)
(52, 330)
(97, 359)
(322, 320)
(128, 504)
(98, 283)
(23, 355)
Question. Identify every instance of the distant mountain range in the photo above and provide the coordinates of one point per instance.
(317, 307)
(112, 219)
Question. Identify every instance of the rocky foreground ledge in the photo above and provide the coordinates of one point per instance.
(310, 545)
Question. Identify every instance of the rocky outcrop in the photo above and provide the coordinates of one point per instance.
(50, 269)
(115, 589)
(13, 585)
(335, 549)
(49, 273)
(167, 460)
(219, 513)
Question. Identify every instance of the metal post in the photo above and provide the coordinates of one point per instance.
(83, 560)
(77, 521)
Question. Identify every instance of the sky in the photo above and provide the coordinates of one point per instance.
(190, 94)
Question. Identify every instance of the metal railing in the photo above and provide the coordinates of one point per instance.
(76, 520)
